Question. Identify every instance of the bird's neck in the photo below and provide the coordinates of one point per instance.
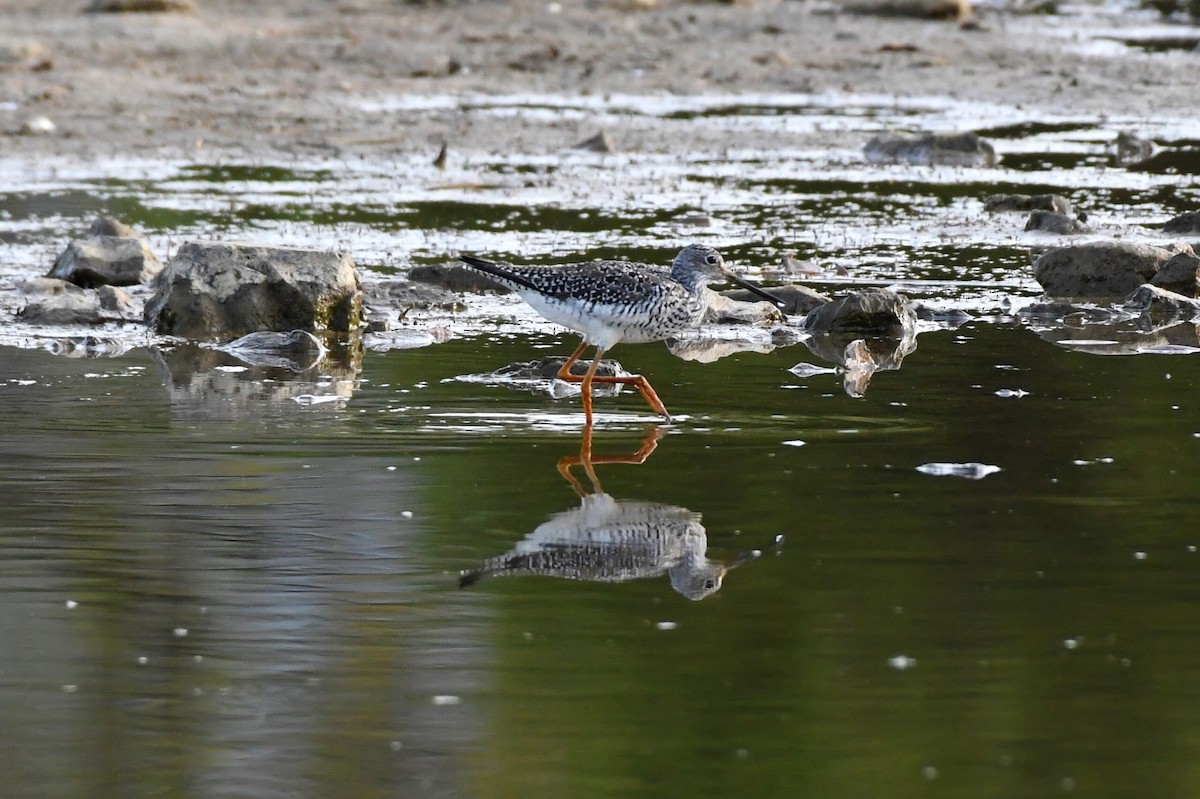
(690, 279)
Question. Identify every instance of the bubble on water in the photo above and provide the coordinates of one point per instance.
(794, 442)
(971, 471)
(142, 660)
(406, 514)
(1139, 555)
(930, 772)
(742, 754)
(1072, 643)
(395, 746)
(1007, 393)
(1067, 784)
(180, 632)
(71, 604)
(70, 688)
(442, 700)
(902, 662)
(665, 625)
(391, 468)
(809, 370)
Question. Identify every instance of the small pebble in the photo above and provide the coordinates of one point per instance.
(38, 126)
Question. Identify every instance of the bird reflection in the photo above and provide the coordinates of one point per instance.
(612, 541)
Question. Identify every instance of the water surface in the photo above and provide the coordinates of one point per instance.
(227, 580)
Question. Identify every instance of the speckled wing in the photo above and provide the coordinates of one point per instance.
(600, 282)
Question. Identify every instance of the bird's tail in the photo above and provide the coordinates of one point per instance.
(497, 271)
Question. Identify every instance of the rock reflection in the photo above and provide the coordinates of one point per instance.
(235, 380)
(612, 541)
(1111, 331)
(858, 359)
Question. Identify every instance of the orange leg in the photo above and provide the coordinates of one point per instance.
(637, 381)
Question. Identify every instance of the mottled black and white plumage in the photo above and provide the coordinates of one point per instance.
(609, 540)
(608, 302)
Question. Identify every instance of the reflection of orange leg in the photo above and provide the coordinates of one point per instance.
(584, 458)
(637, 381)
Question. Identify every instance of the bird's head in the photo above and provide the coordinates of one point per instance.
(706, 263)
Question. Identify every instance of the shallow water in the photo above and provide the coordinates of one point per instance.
(228, 580)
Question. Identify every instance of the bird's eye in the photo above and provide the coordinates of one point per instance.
(710, 259)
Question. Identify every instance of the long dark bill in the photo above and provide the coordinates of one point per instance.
(766, 295)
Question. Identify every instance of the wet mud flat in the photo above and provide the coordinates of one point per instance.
(404, 134)
(255, 80)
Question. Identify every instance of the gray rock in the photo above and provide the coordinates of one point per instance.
(1098, 269)
(455, 278)
(48, 286)
(723, 309)
(931, 149)
(950, 318)
(919, 9)
(547, 368)
(139, 6)
(1059, 314)
(407, 295)
(1180, 274)
(1061, 224)
(1024, 203)
(14, 51)
(67, 308)
(115, 300)
(1132, 149)
(106, 261)
(1160, 307)
(1184, 223)
(107, 226)
(37, 126)
(213, 290)
(800, 299)
(871, 312)
(602, 142)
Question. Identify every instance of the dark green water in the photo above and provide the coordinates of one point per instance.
(220, 596)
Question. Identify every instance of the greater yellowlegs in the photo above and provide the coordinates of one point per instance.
(608, 302)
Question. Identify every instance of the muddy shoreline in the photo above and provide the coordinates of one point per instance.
(262, 81)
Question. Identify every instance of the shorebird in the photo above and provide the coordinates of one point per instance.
(608, 302)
